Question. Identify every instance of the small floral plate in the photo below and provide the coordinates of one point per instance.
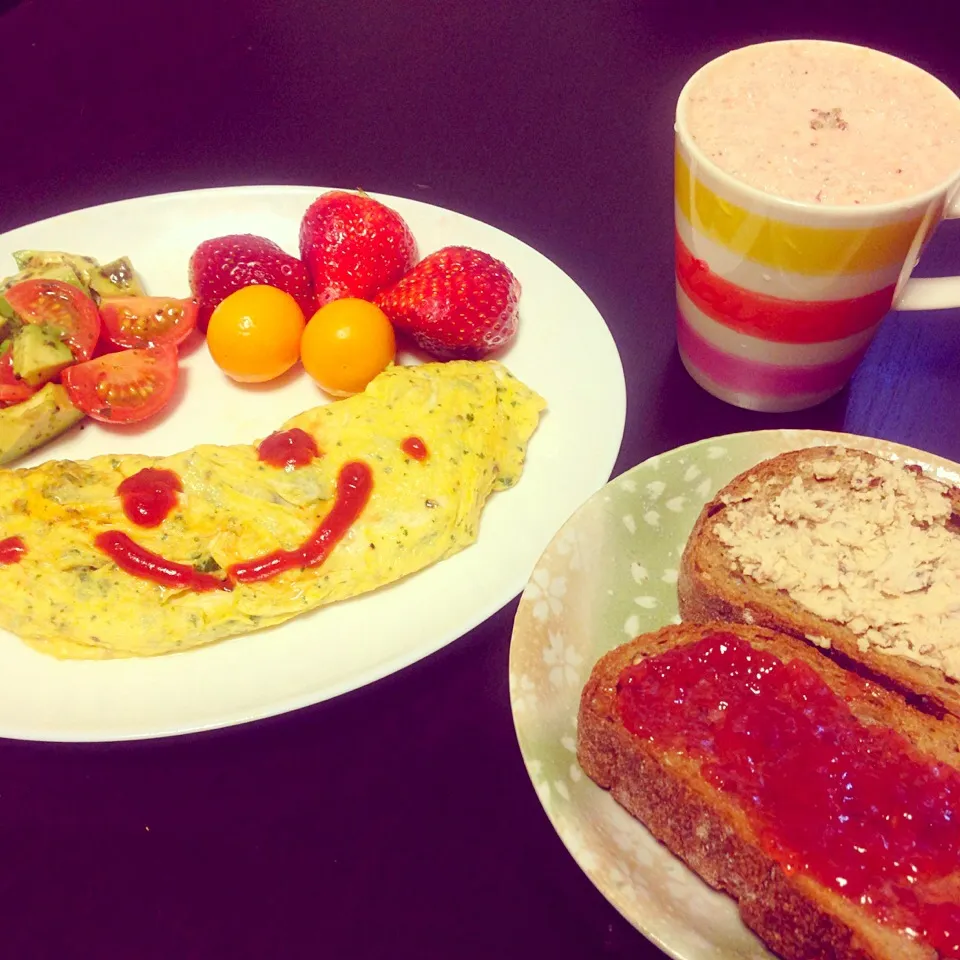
(608, 575)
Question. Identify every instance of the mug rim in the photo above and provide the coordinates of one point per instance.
(944, 188)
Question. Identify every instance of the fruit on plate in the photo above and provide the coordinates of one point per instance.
(254, 334)
(124, 387)
(114, 279)
(30, 424)
(13, 389)
(38, 354)
(354, 246)
(137, 322)
(456, 303)
(51, 327)
(60, 307)
(222, 265)
(346, 344)
(61, 272)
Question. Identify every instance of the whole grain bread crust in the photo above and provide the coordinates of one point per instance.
(708, 589)
(794, 915)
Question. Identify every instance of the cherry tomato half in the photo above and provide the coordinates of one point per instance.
(136, 322)
(61, 305)
(123, 387)
(12, 390)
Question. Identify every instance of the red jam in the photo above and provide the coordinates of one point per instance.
(140, 562)
(414, 447)
(12, 550)
(288, 448)
(149, 495)
(354, 485)
(858, 808)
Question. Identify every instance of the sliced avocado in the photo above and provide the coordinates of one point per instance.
(53, 271)
(39, 354)
(32, 423)
(116, 279)
(43, 259)
(8, 328)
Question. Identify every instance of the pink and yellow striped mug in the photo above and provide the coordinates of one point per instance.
(778, 299)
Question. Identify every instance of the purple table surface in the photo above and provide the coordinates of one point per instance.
(397, 820)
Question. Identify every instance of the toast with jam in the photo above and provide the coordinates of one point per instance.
(855, 554)
(825, 804)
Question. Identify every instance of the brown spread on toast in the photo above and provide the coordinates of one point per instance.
(863, 543)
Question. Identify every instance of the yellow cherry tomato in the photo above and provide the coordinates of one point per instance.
(254, 334)
(347, 342)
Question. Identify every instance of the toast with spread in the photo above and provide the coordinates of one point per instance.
(826, 805)
(857, 555)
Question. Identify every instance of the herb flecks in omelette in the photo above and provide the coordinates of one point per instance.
(69, 599)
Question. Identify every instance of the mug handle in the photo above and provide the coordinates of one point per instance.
(932, 293)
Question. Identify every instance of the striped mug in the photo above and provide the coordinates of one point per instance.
(777, 299)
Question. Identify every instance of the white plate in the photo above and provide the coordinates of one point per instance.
(564, 351)
(609, 575)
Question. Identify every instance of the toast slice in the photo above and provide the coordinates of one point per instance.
(855, 554)
(796, 916)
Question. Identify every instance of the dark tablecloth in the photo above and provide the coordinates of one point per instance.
(397, 820)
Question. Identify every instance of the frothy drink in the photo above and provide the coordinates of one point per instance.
(826, 123)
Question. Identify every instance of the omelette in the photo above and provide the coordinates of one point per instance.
(131, 556)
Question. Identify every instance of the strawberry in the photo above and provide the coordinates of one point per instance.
(354, 246)
(455, 303)
(224, 264)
